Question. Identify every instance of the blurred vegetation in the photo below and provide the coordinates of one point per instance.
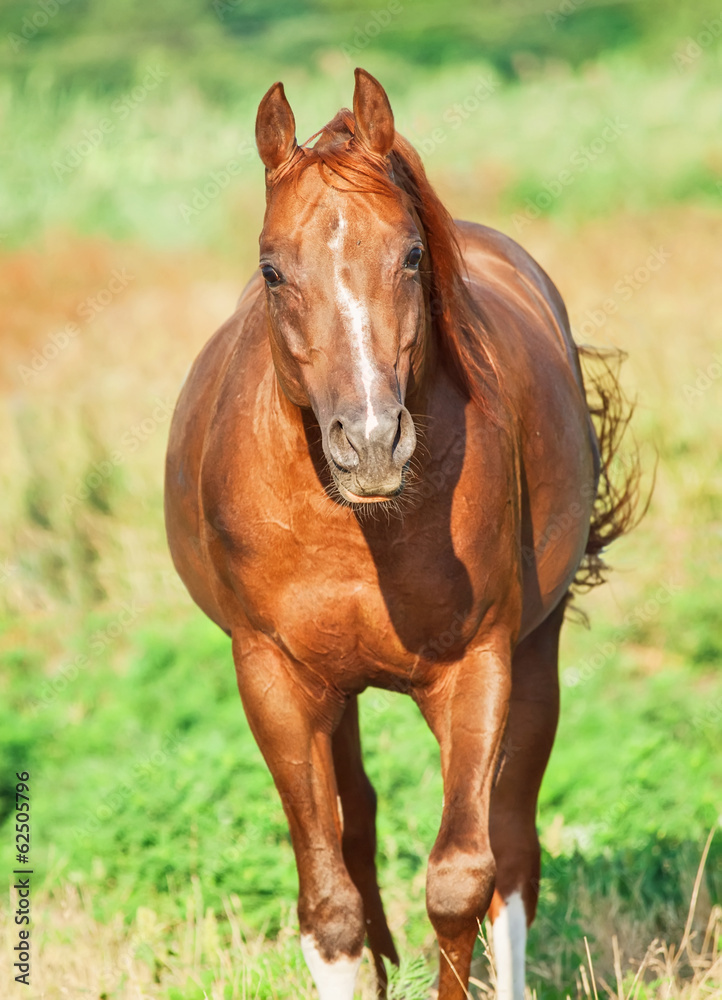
(137, 120)
(221, 46)
(177, 171)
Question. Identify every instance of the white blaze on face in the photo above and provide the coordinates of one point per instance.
(509, 936)
(334, 980)
(357, 318)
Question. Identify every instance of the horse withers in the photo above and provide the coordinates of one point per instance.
(376, 450)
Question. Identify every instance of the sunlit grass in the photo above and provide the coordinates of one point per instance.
(211, 955)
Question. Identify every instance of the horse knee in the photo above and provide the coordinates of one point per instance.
(459, 886)
(332, 922)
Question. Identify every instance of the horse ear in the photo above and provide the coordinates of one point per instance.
(275, 128)
(374, 117)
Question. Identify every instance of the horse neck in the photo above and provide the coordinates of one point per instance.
(424, 363)
(424, 367)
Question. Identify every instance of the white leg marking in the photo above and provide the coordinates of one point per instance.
(509, 934)
(334, 980)
(358, 319)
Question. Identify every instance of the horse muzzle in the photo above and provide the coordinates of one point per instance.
(368, 455)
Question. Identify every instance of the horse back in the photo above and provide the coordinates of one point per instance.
(542, 390)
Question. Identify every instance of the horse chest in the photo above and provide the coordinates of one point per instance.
(356, 596)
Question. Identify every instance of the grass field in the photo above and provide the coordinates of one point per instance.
(163, 863)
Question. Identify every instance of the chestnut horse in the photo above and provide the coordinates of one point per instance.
(389, 442)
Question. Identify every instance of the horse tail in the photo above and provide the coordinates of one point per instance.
(617, 506)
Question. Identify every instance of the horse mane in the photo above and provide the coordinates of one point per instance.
(458, 322)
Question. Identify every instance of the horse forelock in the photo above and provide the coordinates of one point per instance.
(459, 322)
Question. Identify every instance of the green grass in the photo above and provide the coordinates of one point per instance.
(161, 781)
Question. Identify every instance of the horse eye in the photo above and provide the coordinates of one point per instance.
(414, 258)
(270, 274)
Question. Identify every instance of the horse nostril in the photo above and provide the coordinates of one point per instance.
(405, 438)
(342, 451)
(397, 435)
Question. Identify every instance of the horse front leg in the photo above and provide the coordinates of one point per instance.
(466, 708)
(293, 725)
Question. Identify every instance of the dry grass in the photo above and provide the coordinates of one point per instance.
(683, 972)
(75, 956)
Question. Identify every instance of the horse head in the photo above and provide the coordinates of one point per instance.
(341, 254)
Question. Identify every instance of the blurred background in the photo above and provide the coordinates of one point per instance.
(131, 199)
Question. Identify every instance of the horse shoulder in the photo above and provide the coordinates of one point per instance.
(197, 404)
